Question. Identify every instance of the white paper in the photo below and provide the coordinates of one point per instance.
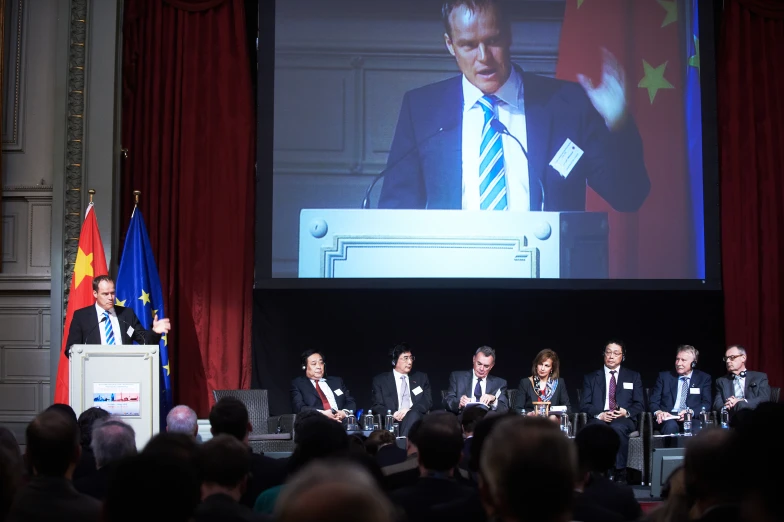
(474, 403)
(566, 158)
(130, 331)
(558, 408)
(694, 391)
(338, 392)
(628, 386)
(417, 390)
(669, 416)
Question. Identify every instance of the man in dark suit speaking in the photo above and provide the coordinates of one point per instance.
(450, 152)
(403, 392)
(740, 388)
(316, 391)
(477, 385)
(679, 391)
(105, 323)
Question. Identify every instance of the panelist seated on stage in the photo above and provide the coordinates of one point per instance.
(740, 388)
(544, 385)
(316, 391)
(477, 385)
(403, 392)
(613, 395)
(106, 323)
(676, 392)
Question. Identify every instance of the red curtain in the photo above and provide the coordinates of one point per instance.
(751, 134)
(188, 123)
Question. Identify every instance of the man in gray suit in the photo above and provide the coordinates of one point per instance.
(740, 388)
(477, 385)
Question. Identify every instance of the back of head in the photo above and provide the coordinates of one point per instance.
(597, 445)
(471, 418)
(333, 491)
(705, 466)
(11, 470)
(224, 460)
(65, 409)
(143, 482)
(52, 443)
(317, 437)
(481, 432)
(439, 441)
(377, 439)
(182, 419)
(525, 454)
(86, 421)
(229, 415)
(112, 441)
(177, 445)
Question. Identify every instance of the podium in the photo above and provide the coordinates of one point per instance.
(121, 379)
(383, 243)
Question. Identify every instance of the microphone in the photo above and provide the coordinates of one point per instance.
(448, 127)
(84, 339)
(501, 128)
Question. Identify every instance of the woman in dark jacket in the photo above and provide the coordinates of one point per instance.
(544, 384)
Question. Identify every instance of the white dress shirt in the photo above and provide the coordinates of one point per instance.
(607, 385)
(115, 324)
(680, 391)
(483, 386)
(398, 384)
(511, 112)
(322, 383)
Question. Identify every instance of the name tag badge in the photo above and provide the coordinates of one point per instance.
(338, 392)
(694, 391)
(566, 158)
(417, 390)
(130, 331)
(628, 386)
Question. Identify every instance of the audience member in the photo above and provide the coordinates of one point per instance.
(11, 470)
(182, 419)
(86, 420)
(112, 440)
(383, 446)
(405, 473)
(177, 445)
(709, 484)
(52, 452)
(468, 423)
(65, 409)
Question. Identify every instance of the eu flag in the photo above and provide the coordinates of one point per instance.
(139, 287)
(694, 130)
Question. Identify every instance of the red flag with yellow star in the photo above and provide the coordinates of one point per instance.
(90, 263)
(648, 39)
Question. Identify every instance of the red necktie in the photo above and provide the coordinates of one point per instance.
(613, 385)
(324, 401)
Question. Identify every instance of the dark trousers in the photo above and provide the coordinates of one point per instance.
(410, 418)
(668, 427)
(623, 427)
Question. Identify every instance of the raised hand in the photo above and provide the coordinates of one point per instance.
(160, 326)
(609, 97)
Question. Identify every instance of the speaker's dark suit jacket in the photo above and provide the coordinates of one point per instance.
(385, 393)
(86, 330)
(425, 160)
(305, 397)
(460, 384)
(757, 390)
(665, 391)
(526, 395)
(595, 392)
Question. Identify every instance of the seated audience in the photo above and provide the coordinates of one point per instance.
(86, 421)
(468, 422)
(182, 419)
(714, 492)
(383, 446)
(683, 390)
(740, 388)
(52, 453)
(544, 385)
(477, 385)
(12, 472)
(112, 440)
(405, 473)
(316, 391)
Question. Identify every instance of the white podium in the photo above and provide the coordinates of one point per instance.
(351, 243)
(122, 379)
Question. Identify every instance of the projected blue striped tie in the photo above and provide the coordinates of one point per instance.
(492, 171)
(107, 328)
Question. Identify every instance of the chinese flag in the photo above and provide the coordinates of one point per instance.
(646, 37)
(90, 262)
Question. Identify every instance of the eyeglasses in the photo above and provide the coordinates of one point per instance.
(407, 358)
(613, 354)
(731, 357)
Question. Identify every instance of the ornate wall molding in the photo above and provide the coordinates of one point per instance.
(13, 73)
(74, 148)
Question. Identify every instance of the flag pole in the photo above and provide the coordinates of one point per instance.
(92, 193)
(136, 194)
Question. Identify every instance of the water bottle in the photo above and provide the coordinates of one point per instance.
(725, 418)
(367, 422)
(687, 423)
(389, 421)
(565, 424)
(351, 421)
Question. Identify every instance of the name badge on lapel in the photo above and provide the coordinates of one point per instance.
(338, 392)
(694, 391)
(417, 390)
(130, 331)
(628, 386)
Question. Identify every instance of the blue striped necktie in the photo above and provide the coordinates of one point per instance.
(492, 171)
(107, 328)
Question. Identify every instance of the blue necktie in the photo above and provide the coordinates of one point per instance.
(107, 328)
(478, 390)
(492, 172)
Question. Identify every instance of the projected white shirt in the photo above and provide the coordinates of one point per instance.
(511, 112)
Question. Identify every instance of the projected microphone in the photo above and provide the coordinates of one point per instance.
(68, 348)
(448, 127)
(501, 128)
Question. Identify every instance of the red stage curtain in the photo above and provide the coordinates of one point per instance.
(188, 122)
(751, 135)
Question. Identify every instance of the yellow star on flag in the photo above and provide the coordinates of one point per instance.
(118, 302)
(694, 61)
(580, 3)
(166, 367)
(154, 313)
(654, 79)
(145, 297)
(672, 11)
(165, 338)
(83, 267)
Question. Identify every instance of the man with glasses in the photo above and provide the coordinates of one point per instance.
(740, 388)
(477, 385)
(613, 395)
(403, 392)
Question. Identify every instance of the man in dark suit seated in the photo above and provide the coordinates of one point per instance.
(613, 395)
(112, 441)
(52, 453)
(446, 155)
(106, 323)
(316, 391)
(740, 388)
(679, 391)
(404, 393)
(477, 385)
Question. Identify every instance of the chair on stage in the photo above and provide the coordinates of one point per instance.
(270, 434)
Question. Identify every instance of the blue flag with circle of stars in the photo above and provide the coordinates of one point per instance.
(139, 287)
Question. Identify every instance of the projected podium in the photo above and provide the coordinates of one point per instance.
(121, 379)
(348, 243)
